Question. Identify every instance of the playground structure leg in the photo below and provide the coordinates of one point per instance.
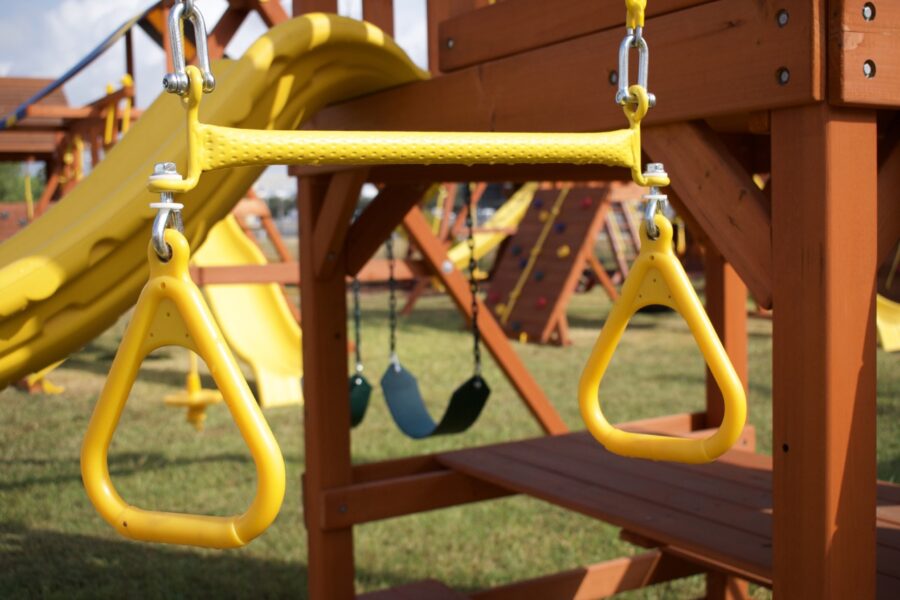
(824, 199)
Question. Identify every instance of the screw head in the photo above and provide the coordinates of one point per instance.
(164, 168)
(784, 76)
(613, 77)
(450, 43)
(783, 17)
(868, 11)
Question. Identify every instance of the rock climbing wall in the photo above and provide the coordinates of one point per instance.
(539, 271)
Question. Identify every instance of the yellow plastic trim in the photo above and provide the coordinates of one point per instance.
(657, 277)
(171, 312)
(636, 10)
(127, 82)
(212, 147)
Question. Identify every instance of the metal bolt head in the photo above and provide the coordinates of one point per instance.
(783, 17)
(164, 168)
(784, 76)
(655, 169)
(869, 69)
(450, 43)
(614, 78)
(868, 11)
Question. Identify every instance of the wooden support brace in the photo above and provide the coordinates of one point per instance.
(270, 11)
(492, 334)
(224, 30)
(332, 225)
(721, 197)
(379, 219)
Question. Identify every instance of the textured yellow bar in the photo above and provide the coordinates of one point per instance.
(224, 147)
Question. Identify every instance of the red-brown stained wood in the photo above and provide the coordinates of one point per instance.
(379, 219)
(721, 197)
(863, 61)
(824, 351)
(598, 580)
(438, 11)
(726, 305)
(380, 13)
(334, 221)
(224, 30)
(536, 23)
(326, 408)
(308, 6)
(688, 47)
(270, 12)
(491, 333)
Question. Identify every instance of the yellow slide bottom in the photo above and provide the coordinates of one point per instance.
(255, 318)
(507, 216)
(887, 319)
(72, 273)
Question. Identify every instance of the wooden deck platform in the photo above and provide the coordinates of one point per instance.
(717, 515)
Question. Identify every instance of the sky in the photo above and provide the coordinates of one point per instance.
(43, 38)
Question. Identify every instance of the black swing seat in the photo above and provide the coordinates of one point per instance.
(404, 400)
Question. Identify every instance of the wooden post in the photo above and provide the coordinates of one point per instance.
(726, 305)
(380, 13)
(824, 240)
(326, 407)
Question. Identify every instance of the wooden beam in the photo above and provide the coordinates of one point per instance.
(326, 408)
(492, 334)
(599, 580)
(334, 221)
(689, 46)
(726, 305)
(270, 12)
(380, 13)
(379, 219)
(372, 501)
(721, 197)
(285, 273)
(863, 62)
(438, 11)
(224, 30)
(475, 40)
(602, 277)
(824, 352)
(307, 6)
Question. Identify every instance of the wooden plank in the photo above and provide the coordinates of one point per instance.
(726, 305)
(602, 276)
(824, 351)
(721, 197)
(379, 219)
(326, 407)
(421, 590)
(863, 62)
(689, 46)
(598, 580)
(438, 11)
(492, 334)
(380, 13)
(375, 500)
(307, 6)
(225, 28)
(332, 225)
(532, 24)
(284, 273)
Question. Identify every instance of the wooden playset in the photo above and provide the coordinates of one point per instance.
(814, 107)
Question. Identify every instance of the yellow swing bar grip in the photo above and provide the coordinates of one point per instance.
(213, 147)
(168, 294)
(657, 278)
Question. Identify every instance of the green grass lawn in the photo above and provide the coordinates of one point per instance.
(53, 544)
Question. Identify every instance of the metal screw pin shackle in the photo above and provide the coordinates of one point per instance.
(177, 82)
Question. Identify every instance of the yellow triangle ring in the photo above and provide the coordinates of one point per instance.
(657, 278)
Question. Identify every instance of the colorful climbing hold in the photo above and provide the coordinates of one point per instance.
(523, 263)
(516, 250)
(563, 251)
(543, 216)
(542, 302)
(523, 338)
(538, 203)
(516, 326)
(559, 227)
(538, 275)
(586, 203)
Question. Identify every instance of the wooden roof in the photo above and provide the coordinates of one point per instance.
(19, 144)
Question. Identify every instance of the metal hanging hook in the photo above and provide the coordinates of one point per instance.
(168, 212)
(655, 200)
(177, 82)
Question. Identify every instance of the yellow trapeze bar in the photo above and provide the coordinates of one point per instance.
(657, 278)
(171, 312)
(213, 147)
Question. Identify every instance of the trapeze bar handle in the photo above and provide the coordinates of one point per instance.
(657, 278)
(214, 147)
(171, 312)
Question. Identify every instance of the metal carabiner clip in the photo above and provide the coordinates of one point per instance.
(633, 39)
(177, 82)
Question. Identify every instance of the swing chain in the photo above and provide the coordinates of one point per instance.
(356, 326)
(392, 302)
(168, 211)
(473, 283)
(177, 82)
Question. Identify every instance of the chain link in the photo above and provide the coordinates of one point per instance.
(356, 326)
(473, 284)
(392, 298)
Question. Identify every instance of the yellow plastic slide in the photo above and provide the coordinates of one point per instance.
(68, 276)
(887, 320)
(507, 216)
(255, 318)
